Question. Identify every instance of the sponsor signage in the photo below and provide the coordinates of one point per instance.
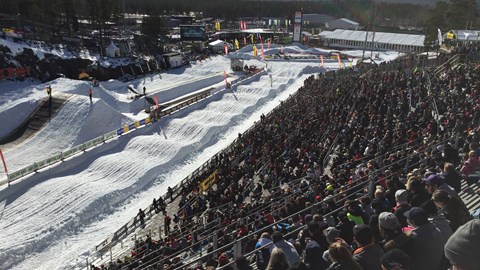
(192, 32)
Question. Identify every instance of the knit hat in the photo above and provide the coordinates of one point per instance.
(223, 258)
(313, 255)
(417, 215)
(388, 221)
(434, 179)
(401, 195)
(331, 233)
(395, 259)
(463, 246)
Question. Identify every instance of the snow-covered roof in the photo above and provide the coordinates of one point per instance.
(349, 21)
(470, 35)
(380, 37)
(257, 30)
(216, 42)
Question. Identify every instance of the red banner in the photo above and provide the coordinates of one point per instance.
(263, 53)
(321, 59)
(3, 160)
(225, 47)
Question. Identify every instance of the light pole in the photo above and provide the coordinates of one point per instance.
(372, 23)
(373, 26)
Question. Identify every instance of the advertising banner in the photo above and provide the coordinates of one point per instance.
(209, 181)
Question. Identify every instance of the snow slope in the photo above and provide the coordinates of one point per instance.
(53, 219)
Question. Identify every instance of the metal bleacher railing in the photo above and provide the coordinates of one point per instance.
(206, 165)
(339, 197)
(407, 165)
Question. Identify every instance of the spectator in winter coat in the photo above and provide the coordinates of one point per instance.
(287, 248)
(452, 177)
(435, 181)
(331, 234)
(341, 257)
(141, 216)
(242, 264)
(263, 255)
(278, 260)
(367, 207)
(451, 208)
(316, 233)
(345, 227)
(418, 194)
(373, 223)
(391, 231)
(313, 256)
(395, 259)
(368, 253)
(470, 166)
(402, 206)
(426, 248)
(354, 212)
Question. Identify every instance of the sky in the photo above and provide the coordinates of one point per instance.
(54, 218)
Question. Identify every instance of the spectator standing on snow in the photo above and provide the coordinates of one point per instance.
(141, 216)
(90, 93)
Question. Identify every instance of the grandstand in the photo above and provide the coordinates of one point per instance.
(342, 137)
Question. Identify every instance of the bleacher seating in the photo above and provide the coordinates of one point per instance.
(340, 138)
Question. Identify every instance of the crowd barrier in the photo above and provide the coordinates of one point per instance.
(13, 73)
(60, 156)
(114, 134)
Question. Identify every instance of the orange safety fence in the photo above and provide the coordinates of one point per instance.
(12, 73)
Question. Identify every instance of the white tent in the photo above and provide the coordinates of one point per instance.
(218, 45)
(112, 50)
(350, 39)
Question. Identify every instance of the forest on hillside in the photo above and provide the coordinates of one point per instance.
(64, 14)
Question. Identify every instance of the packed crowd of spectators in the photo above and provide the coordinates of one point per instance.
(355, 172)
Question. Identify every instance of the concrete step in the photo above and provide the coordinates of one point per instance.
(469, 197)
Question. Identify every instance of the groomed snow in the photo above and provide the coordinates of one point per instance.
(54, 218)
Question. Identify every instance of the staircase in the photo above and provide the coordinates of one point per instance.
(38, 119)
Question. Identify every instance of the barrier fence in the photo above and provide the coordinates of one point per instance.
(111, 135)
(60, 156)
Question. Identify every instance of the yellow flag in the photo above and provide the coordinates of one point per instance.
(237, 45)
(255, 50)
(251, 38)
